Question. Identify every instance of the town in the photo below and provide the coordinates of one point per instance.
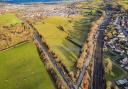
(116, 44)
(28, 10)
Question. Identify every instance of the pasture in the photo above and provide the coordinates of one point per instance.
(21, 68)
(9, 18)
(56, 29)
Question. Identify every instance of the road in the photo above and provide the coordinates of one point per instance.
(98, 73)
(98, 79)
(98, 67)
(43, 48)
(84, 68)
(87, 62)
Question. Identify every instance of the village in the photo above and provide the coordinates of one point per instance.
(116, 42)
(28, 10)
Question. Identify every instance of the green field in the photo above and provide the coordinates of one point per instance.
(9, 18)
(94, 4)
(112, 70)
(76, 27)
(21, 68)
(123, 3)
(12, 31)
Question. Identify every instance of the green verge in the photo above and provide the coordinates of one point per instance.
(21, 68)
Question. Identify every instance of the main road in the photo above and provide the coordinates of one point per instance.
(98, 73)
(98, 79)
(88, 58)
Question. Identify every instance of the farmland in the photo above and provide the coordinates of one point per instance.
(123, 3)
(56, 29)
(8, 18)
(12, 31)
(21, 68)
(63, 35)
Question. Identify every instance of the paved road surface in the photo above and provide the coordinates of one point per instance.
(98, 73)
(84, 68)
(86, 63)
(98, 79)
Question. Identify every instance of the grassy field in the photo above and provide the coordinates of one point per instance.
(12, 31)
(94, 4)
(21, 68)
(9, 18)
(123, 3)
(76, 27)
(112, 70)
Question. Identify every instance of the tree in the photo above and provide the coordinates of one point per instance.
(108, 65)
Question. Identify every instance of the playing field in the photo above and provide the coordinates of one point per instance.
(21, 68)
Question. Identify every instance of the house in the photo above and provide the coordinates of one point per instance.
(121, 36)
(126, 67)
(124, 61)
(122, 66)
(110, 45)
(125, 87)
(122, 83)
(127, 43)
(116, 21)
(126, 32)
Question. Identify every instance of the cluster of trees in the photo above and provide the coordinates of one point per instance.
(88, 45)
(13, 34)
(82, 56)
(60, 84)
(59, 62)
(110, 32)
(85, 83)
(71, 74)
(87, 76)
(86, 48)
(108, 65)
(58, 81)
(62, 65)
(110, 85)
